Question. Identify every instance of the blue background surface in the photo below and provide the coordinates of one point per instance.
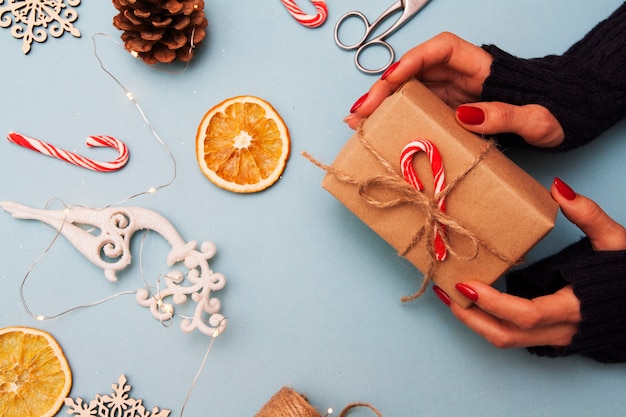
(312, 295)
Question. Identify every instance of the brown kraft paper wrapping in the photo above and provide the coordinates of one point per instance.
(501, 206)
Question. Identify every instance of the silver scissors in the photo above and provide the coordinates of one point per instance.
(409, 8)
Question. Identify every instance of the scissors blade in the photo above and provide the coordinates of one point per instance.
(414, 6)
(409, 9)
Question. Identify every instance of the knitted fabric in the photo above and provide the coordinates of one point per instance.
(599, 282)
(585, 88)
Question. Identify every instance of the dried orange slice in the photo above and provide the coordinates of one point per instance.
(35, 377)
(242, 144)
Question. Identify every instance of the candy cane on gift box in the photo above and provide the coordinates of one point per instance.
(73, 158)
(406, 164)
(308, 20)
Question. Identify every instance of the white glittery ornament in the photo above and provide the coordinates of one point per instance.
(103, 236)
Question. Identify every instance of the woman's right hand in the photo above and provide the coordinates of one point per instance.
(549, 320)
(455, 71)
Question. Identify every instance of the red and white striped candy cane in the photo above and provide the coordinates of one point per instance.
(406, 164)
(73, 158)
(308, 20)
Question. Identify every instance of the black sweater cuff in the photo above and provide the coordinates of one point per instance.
(585, 88)
(599, 282)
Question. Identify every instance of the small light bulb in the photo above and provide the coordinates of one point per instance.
(40, 318)
(135, 54)
(152, 190)
(130, 96)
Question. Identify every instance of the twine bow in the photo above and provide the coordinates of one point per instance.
(435, 218)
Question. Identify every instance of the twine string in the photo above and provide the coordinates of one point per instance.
(404, 193)
(352, 406)
(290, 403)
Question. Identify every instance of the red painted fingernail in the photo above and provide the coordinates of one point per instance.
(358, 103)
(389, 70)
(442, 295)
(467, 291)
(470, 115)
(564, 189)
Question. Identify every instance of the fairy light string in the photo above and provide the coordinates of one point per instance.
(40, 317)
(66, 208)
(151, 190)
(149, 125)
(154, 291)
(214, 336)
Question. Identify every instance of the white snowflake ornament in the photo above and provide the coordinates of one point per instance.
(116, 404)
(34, 20)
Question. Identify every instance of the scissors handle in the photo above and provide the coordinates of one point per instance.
(373, 43)
(361, 41)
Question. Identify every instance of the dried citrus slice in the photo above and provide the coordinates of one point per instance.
(35, 377)
(242, 144)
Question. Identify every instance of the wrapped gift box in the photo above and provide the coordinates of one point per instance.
(502, 211)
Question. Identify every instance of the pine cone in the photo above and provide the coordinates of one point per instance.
(161, 30)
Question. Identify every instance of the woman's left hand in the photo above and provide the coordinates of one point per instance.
(552, 320)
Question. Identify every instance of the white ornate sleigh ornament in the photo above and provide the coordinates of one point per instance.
(103, 236)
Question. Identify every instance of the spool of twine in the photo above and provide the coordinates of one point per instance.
(289, 403)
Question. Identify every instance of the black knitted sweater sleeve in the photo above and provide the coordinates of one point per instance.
(599, 282)
(585, 88)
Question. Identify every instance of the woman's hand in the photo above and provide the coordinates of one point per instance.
(551, 320)
(455, 71)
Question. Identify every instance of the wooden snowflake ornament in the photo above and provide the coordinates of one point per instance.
(34, 20)
(117, 404)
